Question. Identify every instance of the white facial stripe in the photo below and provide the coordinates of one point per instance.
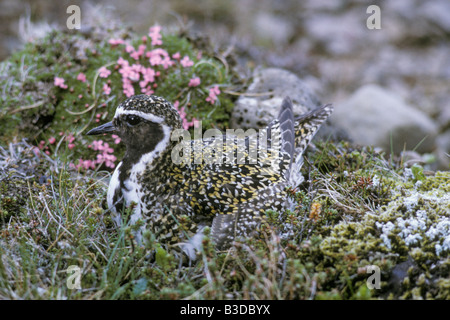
(146, 116)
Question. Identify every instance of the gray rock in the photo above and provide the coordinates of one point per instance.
(340, 34)
(272, 29)
(437, 12)
(376, 116)
(444, 112)
(443, 154)
(264, 97)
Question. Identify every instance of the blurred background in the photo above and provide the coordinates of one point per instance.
(326, 43)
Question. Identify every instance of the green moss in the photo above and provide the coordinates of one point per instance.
(439, 181)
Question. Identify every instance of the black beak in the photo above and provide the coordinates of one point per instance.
(104, 128)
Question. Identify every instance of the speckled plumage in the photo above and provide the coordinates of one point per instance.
(225, 182)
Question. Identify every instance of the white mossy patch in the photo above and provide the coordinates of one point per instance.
(418, 217)
(386, 228)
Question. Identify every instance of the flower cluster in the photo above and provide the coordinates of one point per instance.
(105, 156)
(186, 62)
(59, 82)
(45, 146)
(106, 89)
(81, 77)
(103, 72)
(194, 82)
(146, 77)
(144, 67)
(155, 35)
(70, 139)
(157, 57)
(213, 92)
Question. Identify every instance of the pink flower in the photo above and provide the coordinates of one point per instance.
(82, 77)
(148, 75)
(59, 82)
(89, 164)
(106, 89)
(122, 62)
(147, 90)
(86, 164)
(215, 89)
(129, 48)
(194, 82)
(105, 156)
(159, 56)
(110, 159)
(134, 71)
(128, 89)
(103, 72)
(154, 34)
(142, 48)
(137, 54)
(115, 42)
(125, 71)
(52, 140)
(116, 138)
(176, 56)
(166, 63)
(97, 144)
(70, 138)
(186, 62)
(213, 92)
(155, 60)
(130, 72)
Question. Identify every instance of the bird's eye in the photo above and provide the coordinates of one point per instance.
(133, 120)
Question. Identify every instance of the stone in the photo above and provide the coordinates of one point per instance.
(262, 101)
(375, 116)
(437, 12)
(444, 112)
(443, 154)
(339, 34)
(272, 29)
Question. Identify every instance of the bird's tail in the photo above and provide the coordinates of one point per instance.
(306, 126)
(286, 127)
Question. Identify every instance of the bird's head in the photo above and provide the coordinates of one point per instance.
(142, 122)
